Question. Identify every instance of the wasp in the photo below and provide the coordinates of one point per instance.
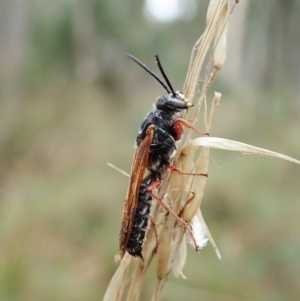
(155, 148)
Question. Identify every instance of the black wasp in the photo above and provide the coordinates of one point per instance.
(156, 140)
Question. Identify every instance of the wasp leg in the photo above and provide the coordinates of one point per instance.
(187, 202)
(155, 233)
(156, 184)
(172, 169)
(180, 122)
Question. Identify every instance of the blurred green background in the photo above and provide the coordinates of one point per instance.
(70, 101)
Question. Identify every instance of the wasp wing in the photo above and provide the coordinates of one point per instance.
(139, 165)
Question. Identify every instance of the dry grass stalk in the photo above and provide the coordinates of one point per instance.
(184, 193)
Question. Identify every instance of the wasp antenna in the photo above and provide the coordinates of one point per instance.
(150, 72)
(164, 74)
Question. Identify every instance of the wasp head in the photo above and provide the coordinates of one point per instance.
(173, 102)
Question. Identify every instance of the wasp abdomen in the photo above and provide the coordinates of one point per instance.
(140, 222)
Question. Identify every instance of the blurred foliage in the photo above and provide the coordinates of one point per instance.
(70, 101)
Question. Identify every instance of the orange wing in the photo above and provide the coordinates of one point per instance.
(139, 165)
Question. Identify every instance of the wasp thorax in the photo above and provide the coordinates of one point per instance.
(173, 102)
